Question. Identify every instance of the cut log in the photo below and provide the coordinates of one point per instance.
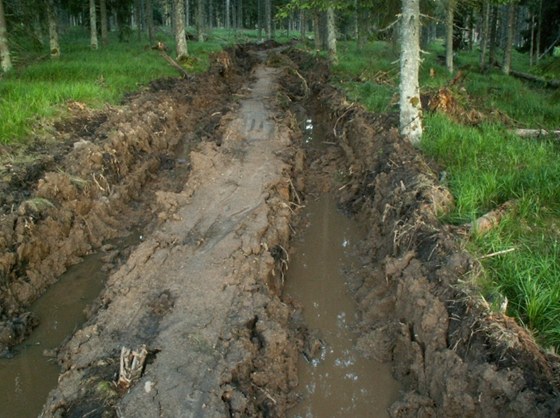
(536, 133)
(491, 219)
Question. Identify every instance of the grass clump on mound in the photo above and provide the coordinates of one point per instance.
(485, 166)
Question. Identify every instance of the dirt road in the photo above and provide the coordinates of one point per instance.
(217, 170)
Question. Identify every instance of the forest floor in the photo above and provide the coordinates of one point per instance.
(214, 171)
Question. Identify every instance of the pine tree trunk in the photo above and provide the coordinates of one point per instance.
(317, 30)
(150, 21)
(409, 102)
(363, 19)
(200, 20)
(539, 27)
(532, 41)
(138, 17)
(331, 36)
(228, 18)
(493, 35)
(506, 65)
(53, 29)
(180, 35)
(302, 25)
(449, 35)
(485, 30)
(268, 18)
(5, 60)
(240, 14)
(93, 24)
(103, 17)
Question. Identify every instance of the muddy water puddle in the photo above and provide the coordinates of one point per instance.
(28, 377)
(338, 382)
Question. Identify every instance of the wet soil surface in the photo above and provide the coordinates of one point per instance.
(215, 172)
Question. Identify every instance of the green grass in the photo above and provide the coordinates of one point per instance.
(486, 165)
(39, 91)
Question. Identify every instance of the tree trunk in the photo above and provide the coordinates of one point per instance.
(268, 18)
(5, 60)
(539, 27)
(228, 11)
(362, 21)
(532, 41)
(485, 33)
(302, 25)
(449, 35)
(240, 14)
(409, 102)
(53, 29)
(331, 36)
(180, 36)
(506, 65)
(103, 17)
(93, 24)
(317, 30)
(150, 21)
(138, 17)
(200, 20)
(493, 35)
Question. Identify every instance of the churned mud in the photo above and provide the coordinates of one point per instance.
(215, 172)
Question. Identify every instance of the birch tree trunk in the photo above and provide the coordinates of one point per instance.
(150, 21)
(409, 102)
(449, 35)
(5, 60)
(506, 65)
(53, 29)
(103, 17)
(93, 25)
(485, 33)
(180, 36)
(331, 36)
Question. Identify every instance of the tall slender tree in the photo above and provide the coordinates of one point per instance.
(5, 60)
(150, 21)
(506, 65)
(103, 18)
(51, 7)
(485, 33)
(449, 18)
(331, 35)
(200, 20)
(180, 38)
(93, 24)
(409, 102)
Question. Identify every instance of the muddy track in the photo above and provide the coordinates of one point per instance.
(203, 291)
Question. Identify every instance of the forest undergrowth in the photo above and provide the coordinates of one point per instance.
(469, 123)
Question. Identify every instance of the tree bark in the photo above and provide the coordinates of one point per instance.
(331, 36)
(93, 24)
(362, 23)
(317, 30)
(449, 35)
(227, 14)
(103, 17)
(485, 30)
(302, 25)
(506, 65)
(268, 18)
(150, 21)
(200, 20)
(180, 36)
(409, 102)
(138, 17)
(493, 35)
(539, 27)
(5, 60)
(53, 29)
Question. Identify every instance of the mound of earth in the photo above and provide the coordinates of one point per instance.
(193, 323)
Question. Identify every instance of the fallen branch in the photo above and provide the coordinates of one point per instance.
(490, 220)
(161, 48)
(509, 250)
(536, 133)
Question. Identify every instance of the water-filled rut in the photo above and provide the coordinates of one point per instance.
(337, 381)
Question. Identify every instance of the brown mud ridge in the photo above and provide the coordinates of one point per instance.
(203, 291)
